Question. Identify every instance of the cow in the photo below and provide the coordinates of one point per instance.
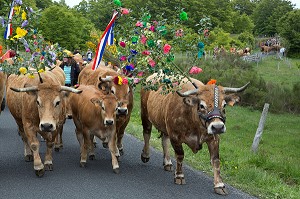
(3, 77)
(103, 78)
(37, 106)
(94, 113)
(192, 116)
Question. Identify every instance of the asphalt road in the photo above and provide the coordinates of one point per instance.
(68, 180)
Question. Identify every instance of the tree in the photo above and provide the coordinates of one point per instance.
(288, 27)
(61, 25)
(242, 23)
(267, 13)
(244, 6)
(42, 4)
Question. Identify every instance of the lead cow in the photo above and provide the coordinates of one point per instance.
(104, 79)
(38, 106)
(94, 113)
(191, 116)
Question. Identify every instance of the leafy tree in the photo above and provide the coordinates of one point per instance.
(42, 4)
(289, 28)
(244, 6)
(61, 25)
(242, 23)
(267, 13)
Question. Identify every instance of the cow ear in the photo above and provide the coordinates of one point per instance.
(232, 99)
(190, 101)
(96, 102)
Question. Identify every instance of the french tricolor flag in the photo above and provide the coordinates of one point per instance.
(8, 30)
(107, 37)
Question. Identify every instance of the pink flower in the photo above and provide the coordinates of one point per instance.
(136, 80)
(122, 44)
(146, 52)
(195, 70)
(140, 74)
(125, 81)
(139, 24)
(166, 48)
(151, 62)
(27, 50)
(143, 39)
(152, 28)
(124, 11)
(123, 58)
(179, 33)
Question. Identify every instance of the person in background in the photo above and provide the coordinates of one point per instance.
(70, 68)
(89, 55)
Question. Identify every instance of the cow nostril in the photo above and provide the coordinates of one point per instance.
(218, 128)
(47, 127)
(122, 111)
(109, 122)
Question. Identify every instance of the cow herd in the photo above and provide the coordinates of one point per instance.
(101, 107)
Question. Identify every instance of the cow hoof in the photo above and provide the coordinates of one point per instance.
(105, 145)
(40, 173)
(116, 171)
(144, 159)
(82, 164)
(28, 158)
(92, 157)
(56, 149)
(221, 191)
(168, 167)
(179, 181)
(121, 151)
(48, 167)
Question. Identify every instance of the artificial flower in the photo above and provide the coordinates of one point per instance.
(170, 58)
(24, 15)
(206, 33)
(123, 58)
(118, 2)
(143, 39)
(124, 11)
(150, 43)
(146, 52)
(20, 33)
(140, 74)
(134, 39)
(212, 81)
(41, 70)
(139, 24)
(124, 81)
(136, 80)
(152, 28)
(122, 44)
(195, 70)
(134, 52)
(151, 62)
(24, 23)
(179, 33)
(23, 70)
(129, 67)
(146, 17)
(17, 10)
(19, 2)
(183, 16)
(166, 48)
(200, 45)
(27, 49)
(162, 30)
(31, 75)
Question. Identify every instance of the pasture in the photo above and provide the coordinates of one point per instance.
(273, 172)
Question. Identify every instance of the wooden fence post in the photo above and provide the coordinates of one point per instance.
(260, 128)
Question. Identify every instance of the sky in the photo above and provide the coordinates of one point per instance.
(72, 3)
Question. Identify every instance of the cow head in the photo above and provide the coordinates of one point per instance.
(123, 93)
(108, 106)
(49, 101)
(210, 101)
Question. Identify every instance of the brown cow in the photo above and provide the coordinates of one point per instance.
(2, 89)
(123, 93)
(191, 116)
(94, 113)
(39, 108)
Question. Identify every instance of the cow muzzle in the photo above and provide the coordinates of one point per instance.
(216, 127)
(108, 122)
(47, 127)
(122, 111)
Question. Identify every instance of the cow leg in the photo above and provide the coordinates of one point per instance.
(179, 154)
(49, 144)
(58, 143)
(120, 135)
(213, 147)
(147, 128)
(92, 148)
(167, 158)
(35, 147)
(85, 147)
(113, 150)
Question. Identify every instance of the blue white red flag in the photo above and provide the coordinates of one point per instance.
(107, 37)
(8, 30)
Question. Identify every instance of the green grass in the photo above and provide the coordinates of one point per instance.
(274, 171)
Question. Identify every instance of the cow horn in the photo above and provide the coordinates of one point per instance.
(73, 90)
(106, 79)
(27, 89)
(187, 93)
(235, 90)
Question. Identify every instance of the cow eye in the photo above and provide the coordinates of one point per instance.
(103, 108)
(112, 91)
(57, 103)
(38, 103)
(202, 106)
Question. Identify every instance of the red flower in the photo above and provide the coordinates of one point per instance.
(166, 48)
